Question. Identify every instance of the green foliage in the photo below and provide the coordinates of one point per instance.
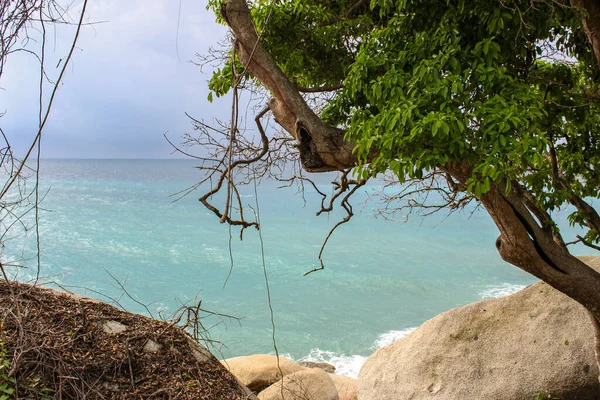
(310, 39)
(222, 80)
(7, 384)
(215, 6)
(426, 82)
(544, 396)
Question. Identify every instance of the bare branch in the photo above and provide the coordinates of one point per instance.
(343, 186)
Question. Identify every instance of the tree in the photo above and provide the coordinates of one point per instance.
(493, 102)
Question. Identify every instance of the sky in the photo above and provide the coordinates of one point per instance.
(130, 81)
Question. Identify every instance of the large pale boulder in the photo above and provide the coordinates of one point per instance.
(346, 387)
(309, 384)
(259, 371)
(537, 340)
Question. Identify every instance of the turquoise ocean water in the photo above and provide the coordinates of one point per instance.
(382, 279)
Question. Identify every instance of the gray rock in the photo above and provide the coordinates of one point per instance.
(151, 347)
(200, 353)
(536, 340)
(321, 365)
(113, 327)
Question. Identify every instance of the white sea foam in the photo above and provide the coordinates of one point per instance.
(390, 337)
(350, 365)
(496, 291)
(344, 365)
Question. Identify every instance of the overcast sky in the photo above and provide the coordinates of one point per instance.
(129, 82)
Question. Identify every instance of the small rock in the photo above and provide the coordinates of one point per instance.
(151, 347)
(113, 327)
(321, 365)
(200, 353)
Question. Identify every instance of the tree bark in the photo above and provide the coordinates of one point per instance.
(527, 245)
(591, 22)
(322, 147)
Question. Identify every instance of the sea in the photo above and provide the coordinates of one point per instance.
(119, 230)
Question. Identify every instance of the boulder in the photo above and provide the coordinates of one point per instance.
(321, 365)
(259, 371)
(309, 384)
(534, 341)
(346, 387)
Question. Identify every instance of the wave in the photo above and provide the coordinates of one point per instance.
(496, 291)
(390, 337)
(350, 365)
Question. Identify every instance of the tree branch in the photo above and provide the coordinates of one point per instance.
(322, 147)
(590, 10)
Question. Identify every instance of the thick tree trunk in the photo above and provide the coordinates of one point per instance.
(591, 22)
(525, 244)
(322, 147)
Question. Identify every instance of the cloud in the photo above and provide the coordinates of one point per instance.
(130, 81)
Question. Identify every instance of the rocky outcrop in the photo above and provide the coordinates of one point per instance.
(309, 384)
(259, 371)
(535, 341)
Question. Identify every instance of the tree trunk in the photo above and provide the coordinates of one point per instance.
(591, 22)
(525, 244)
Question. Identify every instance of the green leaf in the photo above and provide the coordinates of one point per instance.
(4, 388)
(486, 47)
(435, 127)
(478, 189)
(486, 185)
(445, 127)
